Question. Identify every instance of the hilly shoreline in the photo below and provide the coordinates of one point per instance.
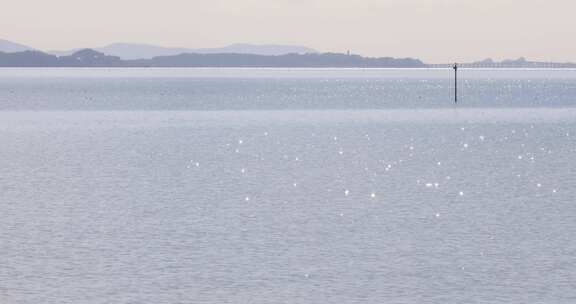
(236, 55)
(92, 58)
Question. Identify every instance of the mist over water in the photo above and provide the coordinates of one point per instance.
(286, 186)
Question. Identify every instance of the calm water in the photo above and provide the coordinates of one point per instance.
(287, 186)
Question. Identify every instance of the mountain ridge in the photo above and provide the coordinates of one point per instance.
(92, 58)
(12, 47)
(133, 51)
(15, 54)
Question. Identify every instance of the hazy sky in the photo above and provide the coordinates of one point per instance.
(432, 30)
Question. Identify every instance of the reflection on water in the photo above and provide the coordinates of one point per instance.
(280, 89)
(391, 206)
(135, 119)
(286, 186)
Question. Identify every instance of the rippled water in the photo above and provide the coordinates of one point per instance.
(307, 186)
(279, 89)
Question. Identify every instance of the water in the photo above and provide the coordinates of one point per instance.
(286, 186)
(279, 89)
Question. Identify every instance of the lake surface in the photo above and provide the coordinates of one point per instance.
(287, 186)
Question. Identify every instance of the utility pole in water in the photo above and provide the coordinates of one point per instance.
(455, 67)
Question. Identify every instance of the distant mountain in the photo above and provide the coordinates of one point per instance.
(326, 60)
(28, 59)
(89, 58)
(258, 49)
(12, 47)
(129, 51)
(82, 58)
(92, 58)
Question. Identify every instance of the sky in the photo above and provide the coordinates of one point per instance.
(432, 30)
